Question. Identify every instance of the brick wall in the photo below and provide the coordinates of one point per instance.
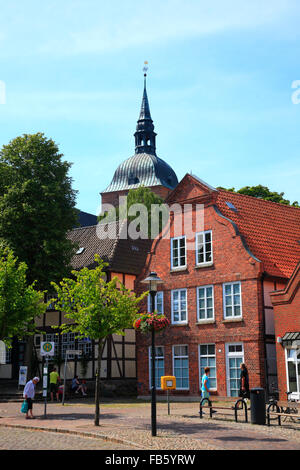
(231, 262)
(287, 319)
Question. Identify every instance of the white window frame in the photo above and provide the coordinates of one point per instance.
(205, 262)
(156, 358)
(181, 357)
(232, 355)
(294, 395)
(228, 317)
(205, 300)
(214, 389)
(179, 322)
(160, 293)
(67, 343)
(180, 266)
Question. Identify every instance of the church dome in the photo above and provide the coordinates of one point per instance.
(144, 168)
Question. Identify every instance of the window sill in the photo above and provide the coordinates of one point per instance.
(233, 320)
(205, 322)
(179, 324)
(204, 265)
(181, 268)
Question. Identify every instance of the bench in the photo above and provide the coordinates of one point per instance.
(279, 414)
(214, 408)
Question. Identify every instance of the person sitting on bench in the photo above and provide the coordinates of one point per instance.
(77, 386)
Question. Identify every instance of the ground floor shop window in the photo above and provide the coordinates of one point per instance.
(293, 372)
(159, 366)
(234, 358)
(181, 367)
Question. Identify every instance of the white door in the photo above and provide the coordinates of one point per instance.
(234, 358)
(292, 357)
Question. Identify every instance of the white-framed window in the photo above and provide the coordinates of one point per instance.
(67, 342)
(234, 358)
(204, 250)
(85, 345)
(232, 299)
(292, 358)
(159, 366)
(207, 358)
(181, 367)
(179, 306)
(205, 303)
(8, 355)
(178, 252)
(159, 302)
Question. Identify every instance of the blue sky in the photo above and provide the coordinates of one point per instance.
(219, 85)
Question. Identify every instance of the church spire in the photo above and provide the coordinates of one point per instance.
(145, 135)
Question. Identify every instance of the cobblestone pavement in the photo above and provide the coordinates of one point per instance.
(129, 423)
(25, 439)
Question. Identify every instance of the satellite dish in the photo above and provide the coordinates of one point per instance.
(2, 353)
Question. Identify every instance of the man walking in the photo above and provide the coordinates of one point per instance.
(54, 378)
(205, 383)
(28, 394)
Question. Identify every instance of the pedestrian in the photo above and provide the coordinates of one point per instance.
(244, 383)
(205, 383)
(28, 394)
(54, 379)
(77, 386)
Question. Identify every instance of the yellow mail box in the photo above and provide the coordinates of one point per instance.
(168, 382)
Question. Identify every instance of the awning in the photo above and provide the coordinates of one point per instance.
(291, 339)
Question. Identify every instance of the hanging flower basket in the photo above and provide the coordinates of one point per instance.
(151, 321)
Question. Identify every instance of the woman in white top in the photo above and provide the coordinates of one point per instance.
(28, 394)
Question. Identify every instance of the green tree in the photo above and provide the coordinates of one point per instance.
(141, 195)
(37, 205)
(263, 192)
(20, 303)
(98, 309)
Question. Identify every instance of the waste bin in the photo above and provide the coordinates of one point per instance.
(258, 405)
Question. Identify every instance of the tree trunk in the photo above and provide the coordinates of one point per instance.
(28, 359)
(97, 390)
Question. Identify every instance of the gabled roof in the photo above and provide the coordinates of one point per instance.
(271, 230)
(287, 294)
(123, 254)
(85, 219)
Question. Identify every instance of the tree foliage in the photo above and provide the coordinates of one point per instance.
(96, 307)
(20, 303)
(263, 192)
(37, 205)
(141, 195)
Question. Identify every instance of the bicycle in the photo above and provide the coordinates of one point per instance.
(276, 408)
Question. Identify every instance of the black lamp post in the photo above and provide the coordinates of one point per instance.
(153, 280)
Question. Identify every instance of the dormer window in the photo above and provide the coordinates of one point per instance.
(133, 180)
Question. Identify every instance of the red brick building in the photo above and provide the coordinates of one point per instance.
(286, 305)
(216, 289)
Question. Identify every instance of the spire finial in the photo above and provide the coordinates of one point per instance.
(145, 135)
(145, 68)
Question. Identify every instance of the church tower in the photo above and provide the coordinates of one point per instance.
(144, 168)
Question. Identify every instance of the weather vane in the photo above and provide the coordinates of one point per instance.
(145, 68)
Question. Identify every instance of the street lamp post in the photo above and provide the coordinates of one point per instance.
(153, 280)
